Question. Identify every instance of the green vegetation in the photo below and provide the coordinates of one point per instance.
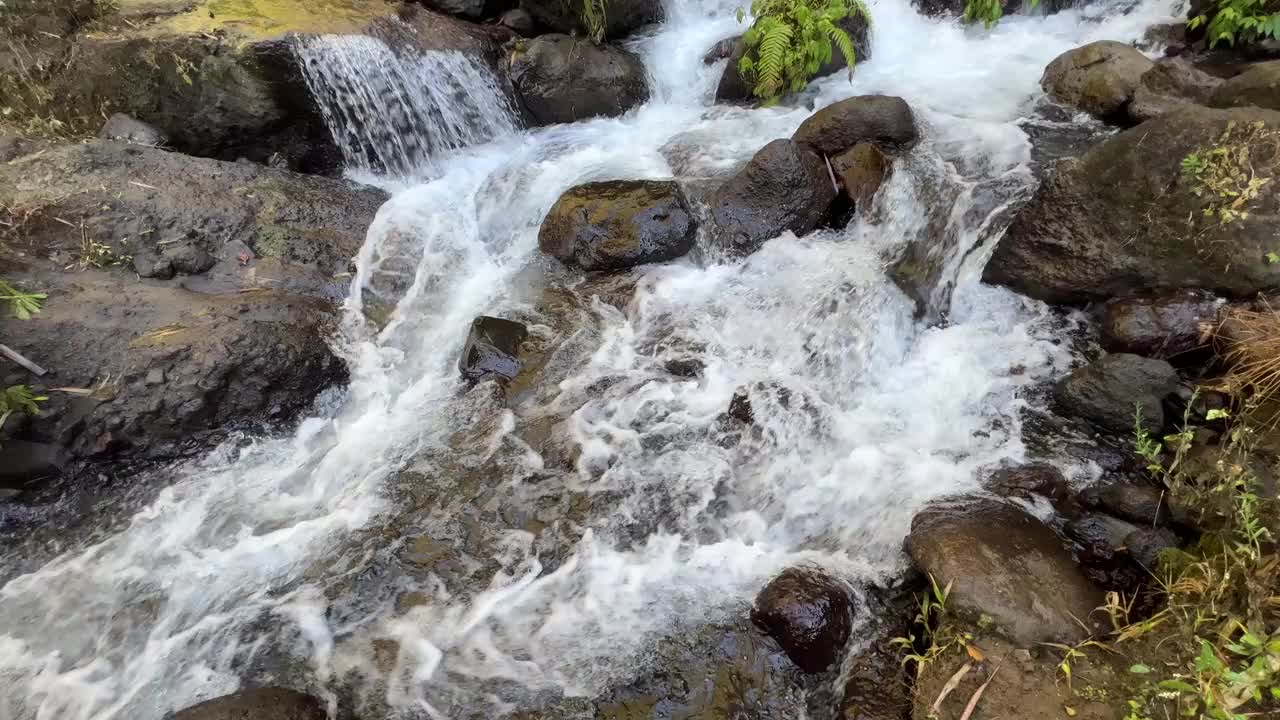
(592, 13)
(19, 399)
(1239, 21)
(988, 11)
(937, 634)
(22, 305)
(1223, 172)
(1214, 642)
(791, 39)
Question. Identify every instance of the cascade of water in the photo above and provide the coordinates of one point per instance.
(558, 579)
(395, 112)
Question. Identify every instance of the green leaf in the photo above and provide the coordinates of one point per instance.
(1139, 669)
(1177, 686)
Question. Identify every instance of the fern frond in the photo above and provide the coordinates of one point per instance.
(841, 40)
(770, 58)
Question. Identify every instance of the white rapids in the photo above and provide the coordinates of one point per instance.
(275, 559)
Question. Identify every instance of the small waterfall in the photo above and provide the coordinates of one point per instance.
(396, 114)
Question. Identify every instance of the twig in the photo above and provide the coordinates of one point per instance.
(15, 356)
(973, 701)
(831, 173)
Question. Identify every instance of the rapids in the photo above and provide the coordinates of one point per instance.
(414, 541)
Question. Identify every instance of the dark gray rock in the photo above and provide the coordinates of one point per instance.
(1160, 327)
(1023, 481)
(492, 351)
(1144, 505)
(471, 9)
(1145, 545)
(880, 120)
(618, 224)
(1099, 78)
(1101, 538)
(1004, 563)
(1110, 391)
(808, 613)
(786, 186)
(125, 129)
(622, 17)
(519, 21)
(23, 464)
(260, 704)
(562, 79)
(1125, 219)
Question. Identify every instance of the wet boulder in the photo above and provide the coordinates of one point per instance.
(808, 613)
(621, 17)
(1111, 390)
(1146, 545)
(492, 351)
(784, 187)
(618, 224)
(861, 170)
(1259, 86)
(880, 120)
(1099, 78)
(1145, 505)
(563, 79)
(1126, 218)
(1161, 327)
(24, 464)
(1172, 84)
(236, 225)
(126, 129)
(260, 704)
(1006, 564)
(733, 87)
(471, 9)
(519, 21)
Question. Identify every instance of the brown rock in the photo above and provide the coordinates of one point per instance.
(861, 169)
(808, 613)
(877, 119)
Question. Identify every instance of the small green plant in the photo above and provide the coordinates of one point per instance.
(19, 399)
(988, 11)
(1239, 21)
(791, 40)
(936, 636)
(100, 255)
(22, 305)
(1223, 173)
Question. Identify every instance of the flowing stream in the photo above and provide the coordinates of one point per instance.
(431, 546)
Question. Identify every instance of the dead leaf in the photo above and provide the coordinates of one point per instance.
(977, 694)
(952, 684)
(976, 653)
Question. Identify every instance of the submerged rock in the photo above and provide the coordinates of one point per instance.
(124, 128)
(786, 186)
(562, 79)
(1160, 327)
(1111, 390)
(877, 119)
(1259, 86)
(621, 17)
(260, 704)
(618, 224)
(1099, 78)
(492, 350)
(1005, 563)
(1126, 218)
(735, 88)
(808, 613)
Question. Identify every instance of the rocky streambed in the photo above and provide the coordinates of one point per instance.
(592, 391)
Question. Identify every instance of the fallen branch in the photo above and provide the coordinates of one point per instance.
(17, 357)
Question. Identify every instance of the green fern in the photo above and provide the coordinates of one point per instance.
(988, 11)
(791, 39)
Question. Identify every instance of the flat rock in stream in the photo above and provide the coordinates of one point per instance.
(1110, 391)
(1006, 564)
(880, 120)
(618, 224)
(1161, 327)
(1099, 78)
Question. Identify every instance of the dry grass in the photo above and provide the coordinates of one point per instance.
(1248, 341)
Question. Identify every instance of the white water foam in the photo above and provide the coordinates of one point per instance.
(263, 550)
